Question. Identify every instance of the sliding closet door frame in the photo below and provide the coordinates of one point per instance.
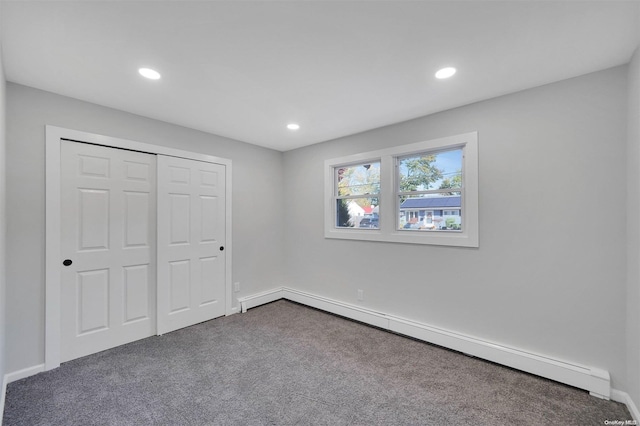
(53, 259)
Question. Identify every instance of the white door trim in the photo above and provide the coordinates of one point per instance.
(53, 259)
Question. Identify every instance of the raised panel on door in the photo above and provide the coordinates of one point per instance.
(179, 218)
(191, 234)
(95, 166)
(108, 228)
(93, 219)
(93, 301)
(179, 286)
(137, 286)
(137, 206)
(209, 219)
(211, 288)
(136, 171)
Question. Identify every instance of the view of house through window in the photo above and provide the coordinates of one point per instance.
(430, 191)
(420, 193)
(358, 195)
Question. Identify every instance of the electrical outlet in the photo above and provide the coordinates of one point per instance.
(236, 287)
(360, 295)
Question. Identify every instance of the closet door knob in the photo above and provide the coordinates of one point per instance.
(67, 262)
(221, 248)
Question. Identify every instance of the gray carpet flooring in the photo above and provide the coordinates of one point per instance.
(286, 364)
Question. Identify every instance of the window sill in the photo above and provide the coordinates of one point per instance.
(438, 238)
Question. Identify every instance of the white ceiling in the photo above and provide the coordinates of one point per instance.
(244, 69)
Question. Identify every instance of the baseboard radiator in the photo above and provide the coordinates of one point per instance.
(594, 380)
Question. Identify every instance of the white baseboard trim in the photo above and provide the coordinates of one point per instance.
(343, 309)
(594, 380)
(25, 372)
(625, 398)
(12, 377)
(258, 299)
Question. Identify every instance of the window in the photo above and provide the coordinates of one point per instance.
(422, 193)
(431, 181)
(357, 189)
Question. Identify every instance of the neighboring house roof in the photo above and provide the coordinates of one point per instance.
(354, 209)
(431, 202)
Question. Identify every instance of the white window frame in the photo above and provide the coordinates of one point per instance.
(353, 197)
(389, 210)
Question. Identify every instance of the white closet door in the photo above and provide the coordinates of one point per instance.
(191, 242)
(108, 295)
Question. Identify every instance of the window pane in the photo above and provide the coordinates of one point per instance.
(428, 171)
(357, 213)
(435, 212)
(360, 179)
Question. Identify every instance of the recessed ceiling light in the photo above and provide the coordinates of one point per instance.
(445, 72)
(293, 126)
(149, 73)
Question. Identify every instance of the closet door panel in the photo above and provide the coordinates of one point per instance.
(108, 224)
(191, 242)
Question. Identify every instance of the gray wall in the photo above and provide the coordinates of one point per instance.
(257, 202)
(3, 221)
(549, 275)
(633, 231)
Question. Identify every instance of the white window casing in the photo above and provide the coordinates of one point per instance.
(389, 195)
